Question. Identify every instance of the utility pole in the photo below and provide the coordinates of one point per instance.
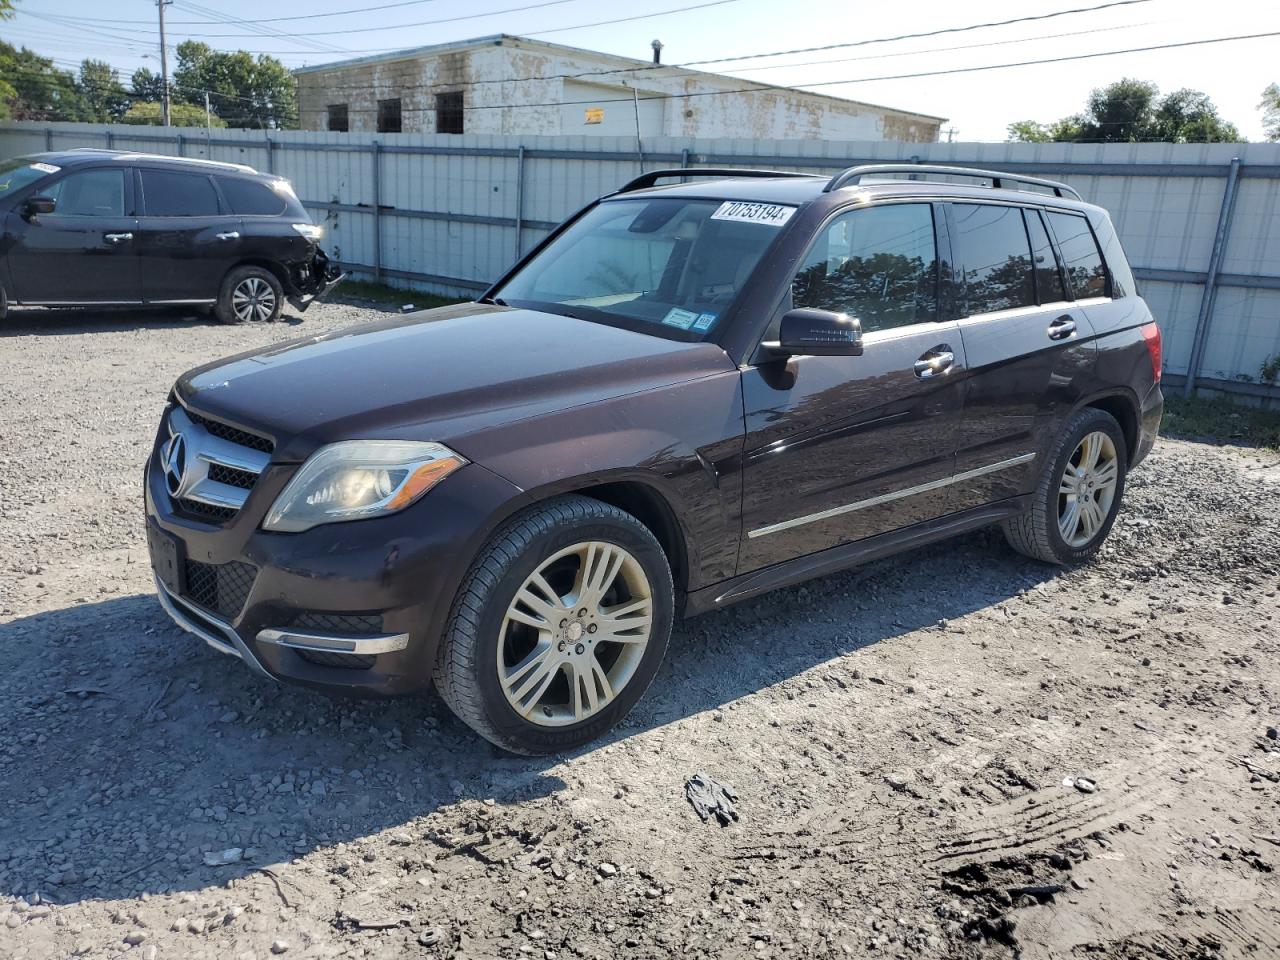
(164, 64)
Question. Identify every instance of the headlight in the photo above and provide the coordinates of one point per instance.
(309, 230)
(357, 479)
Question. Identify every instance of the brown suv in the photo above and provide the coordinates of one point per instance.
(685, 396)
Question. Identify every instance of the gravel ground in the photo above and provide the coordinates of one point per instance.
(954, 753)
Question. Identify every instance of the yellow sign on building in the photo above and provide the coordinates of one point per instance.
(595, 115)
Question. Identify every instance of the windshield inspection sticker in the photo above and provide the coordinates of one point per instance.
(704, 322)
(769, 214)
(680, 318)
(45, 167)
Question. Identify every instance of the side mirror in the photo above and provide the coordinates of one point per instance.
(37, 205)
(806, 332)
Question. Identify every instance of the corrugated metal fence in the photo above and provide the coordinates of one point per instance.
(1200, 222)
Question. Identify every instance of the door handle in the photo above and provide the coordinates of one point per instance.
(934, 363)
(118, 237)
(1062, 328)
(229, 235)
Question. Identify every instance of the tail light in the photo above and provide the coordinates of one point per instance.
(1151, 334)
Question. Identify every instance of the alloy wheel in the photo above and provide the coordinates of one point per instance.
(253, 300)
(574, 633)
(1087, 489)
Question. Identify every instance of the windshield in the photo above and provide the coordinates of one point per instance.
(666, 266)
(16, 174)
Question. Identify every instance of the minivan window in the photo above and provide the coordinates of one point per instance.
(992, 258)
(89, 193)
(1080, 255)
(1048, 277)
(665, 266)
(878, 264)
(168, 194)
(250, 198)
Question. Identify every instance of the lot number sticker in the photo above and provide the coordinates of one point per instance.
(680, 318)
(769, 214)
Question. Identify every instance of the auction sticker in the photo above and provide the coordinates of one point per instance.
(45, 167)
(680, 318)
(741, 211)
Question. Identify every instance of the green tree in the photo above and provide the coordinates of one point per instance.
(33, 89)
(147, 85)
(246, 91)
(104, 96)
(1132, 111)
(1270, 107)
(180, 115)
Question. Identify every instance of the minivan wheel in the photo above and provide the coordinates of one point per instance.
(559, 627)
(250, 295)
(1078, 496)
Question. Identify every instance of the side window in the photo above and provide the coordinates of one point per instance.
(1080, 256)
(879, 264)
(167, 194)
(89, 193)
(389, 116)
(251, 198)
(992, 258)
(1045, 261)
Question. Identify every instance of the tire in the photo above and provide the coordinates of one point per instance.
(249, 295)
(4, 304)
(1039, 533)
(555, 540)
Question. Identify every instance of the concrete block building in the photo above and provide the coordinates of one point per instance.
(513, 85)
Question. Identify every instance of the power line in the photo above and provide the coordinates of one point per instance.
(831, 83)
(640, 68)
(316, 45)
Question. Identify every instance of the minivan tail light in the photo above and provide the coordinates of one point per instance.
(1151, 334)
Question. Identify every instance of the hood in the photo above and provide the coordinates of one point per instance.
(436, 375)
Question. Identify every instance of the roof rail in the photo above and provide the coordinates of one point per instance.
(998, 180)
(194, 161)
(649, 179)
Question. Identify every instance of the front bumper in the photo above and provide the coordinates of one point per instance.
(399, 573)
(322, 276)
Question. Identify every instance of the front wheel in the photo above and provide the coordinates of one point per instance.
(1078, 496)
(559, 627)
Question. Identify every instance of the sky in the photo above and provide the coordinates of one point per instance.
(978, 105)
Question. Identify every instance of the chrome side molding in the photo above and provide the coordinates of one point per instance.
(335, 643)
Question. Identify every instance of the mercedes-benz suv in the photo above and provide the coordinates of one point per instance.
(685, 396)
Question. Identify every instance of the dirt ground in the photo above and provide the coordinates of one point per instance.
(954, 753)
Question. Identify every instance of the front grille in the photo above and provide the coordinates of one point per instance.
(233, 434)
(348, 661)
(206, 511)
(221, 588)
(232, 476)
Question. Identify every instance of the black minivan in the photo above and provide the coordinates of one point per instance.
(108, 228)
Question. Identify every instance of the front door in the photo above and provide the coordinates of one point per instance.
(187, 240)
(843, 448)
(85, 251)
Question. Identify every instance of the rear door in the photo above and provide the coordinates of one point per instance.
(86, 250)
(843, 448)
(187, 239)
(1029, 349)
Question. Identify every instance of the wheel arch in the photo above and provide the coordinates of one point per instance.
(271, 266)
(1123, 406)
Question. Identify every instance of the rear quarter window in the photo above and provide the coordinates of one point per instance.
(251, 198)
(1081, 258)
(1122, 281)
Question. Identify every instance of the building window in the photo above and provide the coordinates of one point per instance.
(389, 116)
(338, 117)
(449, 112)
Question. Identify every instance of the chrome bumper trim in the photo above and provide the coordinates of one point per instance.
(193, 620)
(331, 643)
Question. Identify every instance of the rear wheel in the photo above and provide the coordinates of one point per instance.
(1078, 496)
(250, 295)
(559, 627)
